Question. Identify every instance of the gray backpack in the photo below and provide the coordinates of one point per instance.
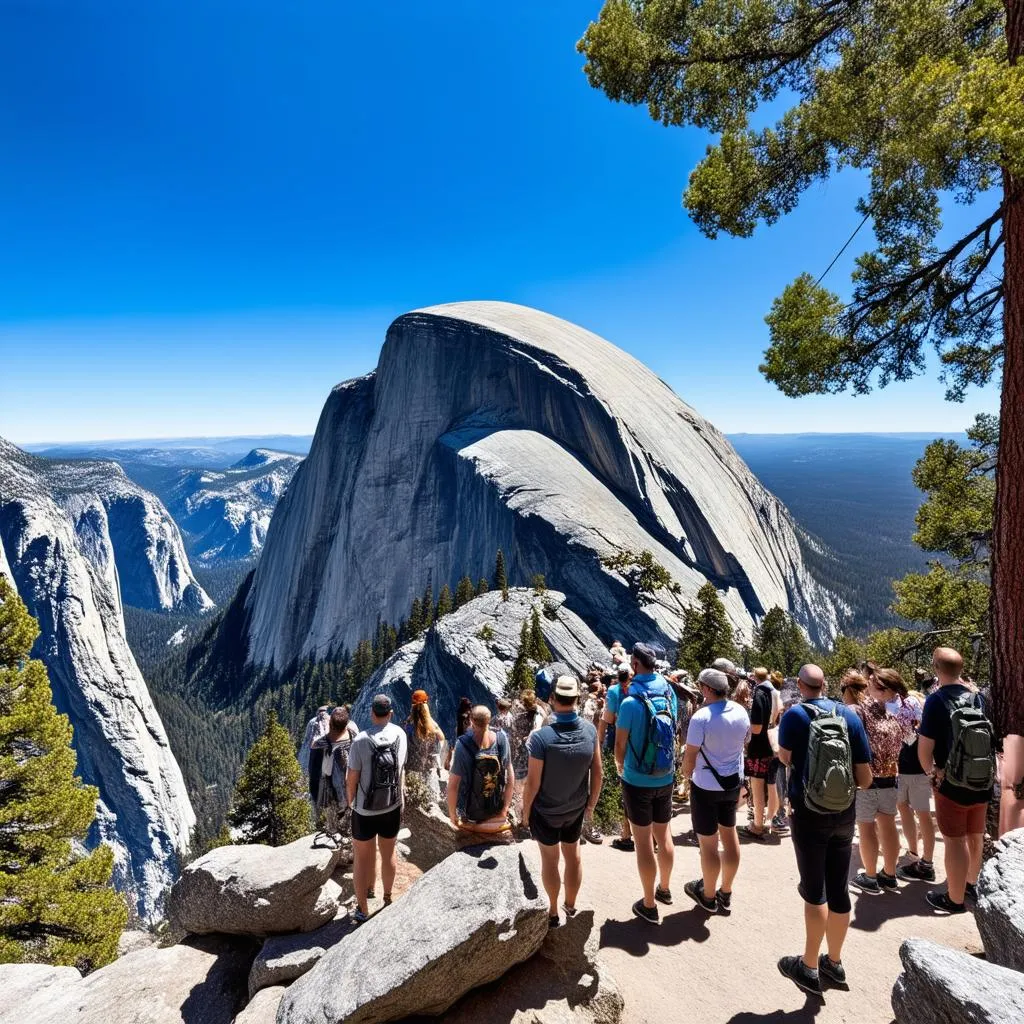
(829, 786)
(971, 763)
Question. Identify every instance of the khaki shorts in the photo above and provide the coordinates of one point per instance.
(915, 790)
(875, 801)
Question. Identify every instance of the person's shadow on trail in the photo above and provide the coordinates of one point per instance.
(636, 937)
(804, 1015)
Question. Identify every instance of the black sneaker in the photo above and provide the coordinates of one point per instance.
(554, 922)
(941, 902)
(917, 871)
(971, 891)
(830, 969)
(663, 896)
(724, 900)
(624, 844)
(866, 884)
(695, 890)
(648, 914)
(794, 968)
(886, 881)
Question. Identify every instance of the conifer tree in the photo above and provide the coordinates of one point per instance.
(415, 624)
(521, 677)
(444, 602)
(482, 587)
(706, 634)
(56, 902)
(500, 577)
(270, 804)
(428, 607)
(539, 584)
(538, 650)
(464, 592)
(779, 643)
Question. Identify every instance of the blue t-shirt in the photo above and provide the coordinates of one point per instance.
(937, 725)
(464, 757)
(632, 715)
(795, 733)
(612, 702)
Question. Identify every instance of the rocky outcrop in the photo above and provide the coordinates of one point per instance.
(257, 890)
(21, 983)
(463, 924)
(945, 986)
(470, 653)
(1000, 910)
(262, 1008)
(77, 538)
(226, 512)
(488, 425)
(284, 958)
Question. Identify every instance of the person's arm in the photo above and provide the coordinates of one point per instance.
(602, 728)
(510, 778)
(532, 785)
(352, 785)
(926, 755)
(690, 760)
(785, 756)
(454, 784)
(621, 738)
(596, 779)
(862, 773)
(756, 715)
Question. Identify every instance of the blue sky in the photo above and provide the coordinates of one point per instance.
(211, 213)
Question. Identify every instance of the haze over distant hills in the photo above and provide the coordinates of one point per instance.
(205, 452)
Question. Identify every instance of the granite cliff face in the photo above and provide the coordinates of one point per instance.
(490, 425)
(76, 539)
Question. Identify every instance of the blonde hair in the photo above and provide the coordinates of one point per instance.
(529, 699)
(761, 674)
(853, 680)
(423, 721)
(480, 715)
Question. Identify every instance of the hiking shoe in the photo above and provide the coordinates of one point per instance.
(866, 884)
(369, 894)
(554, 922)
(724, 900)
(779, 824)
(916, 871)
(591, 835)
(624, 844)
(358, 917)
(648, 914)
(940, 902)
(663, 896)
(828, 968)
(794, 968)
(387, 899)
(695, 890)
(569, 912)
(886, 881)
(751, 833)
(971, 891)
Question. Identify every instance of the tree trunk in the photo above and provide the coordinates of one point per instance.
(1007, 606)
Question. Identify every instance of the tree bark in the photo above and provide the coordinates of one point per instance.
(1007, 605)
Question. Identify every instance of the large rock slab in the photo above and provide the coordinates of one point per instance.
(432, 837)
(257, 890)
(20, 983)
(199, 981)
(284, 958)
(262, 1008)
(944, 986)
(463, 924)
(1000, 911)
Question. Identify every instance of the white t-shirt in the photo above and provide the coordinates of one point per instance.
(722, 727)
(360, 759)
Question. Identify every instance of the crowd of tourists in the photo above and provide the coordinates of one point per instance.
(780, 753)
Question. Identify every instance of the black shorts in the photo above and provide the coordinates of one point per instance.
(711, 808)
(647, 804)
(762, 768)
(369, 826)
(551, 835)
(823, 846)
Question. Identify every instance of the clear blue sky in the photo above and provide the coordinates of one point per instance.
(211, 212)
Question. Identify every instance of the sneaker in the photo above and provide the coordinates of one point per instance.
(827, 968)
(971, 891)
(624, 844)
(695, 890)
(779, 824)
(940, 902)
(569, 912)
(554, 922)
(663, 896)
(751, 833)
(387, 899)
(916, 871)
(358, 917)
(591, 835)
(886, 881)
(866, 884)
(724, 900)
(794, 968)
(648, 914)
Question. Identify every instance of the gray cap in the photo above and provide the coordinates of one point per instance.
(725, 665)
(381, 705)
(714, 679)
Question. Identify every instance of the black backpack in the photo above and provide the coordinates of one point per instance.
(486, 794)
(385, 790)
(971, 763)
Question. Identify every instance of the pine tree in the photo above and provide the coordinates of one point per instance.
(415, 623)
(444, 602)
(521, 677)
(270, 804)
(464, 592)
(538, 649)
(779, 643)
(539, 584)
(428, 607)
(482, 587)
(56, 902)
(500, 577)
(706, 634)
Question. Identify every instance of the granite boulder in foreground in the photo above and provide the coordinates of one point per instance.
(462, 924)
(1000, 910)
(257, 890)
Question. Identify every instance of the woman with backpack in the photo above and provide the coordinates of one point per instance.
(332, 798)
(481, 782)
(425, 738)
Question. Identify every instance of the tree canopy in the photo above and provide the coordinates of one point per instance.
(706, 633)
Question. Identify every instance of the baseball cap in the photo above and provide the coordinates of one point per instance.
(419, 697)
(647, 653)
(381, 705)
(724, 665)
(714, 679)
(567, 686)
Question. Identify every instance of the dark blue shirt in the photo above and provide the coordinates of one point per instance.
(937, 725)
(795, 733)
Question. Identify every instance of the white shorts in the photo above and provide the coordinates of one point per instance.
(915, 790)
(875, 801)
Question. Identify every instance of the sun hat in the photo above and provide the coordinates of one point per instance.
(419, 697)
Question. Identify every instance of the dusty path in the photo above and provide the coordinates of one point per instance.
(722, 969)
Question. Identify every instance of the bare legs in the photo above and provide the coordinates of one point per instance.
(822, 925)
(889, 840)
(364, 867)
(713, 863)
(758, 789)
(975, 846)
(868, 838)
(918, 825)
(957, 860)
(552, 880)
(653, 869)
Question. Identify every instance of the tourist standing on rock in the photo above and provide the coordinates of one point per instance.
(914, 803)
(424, 737)
(617, 693)
(713, 762)
(824, 745)
(526, 717)
(645, 747)
(310, 761)
(760, 756)
(481, 784)
(562, 787)
(375, 766)
(333, 750)
(956, 749)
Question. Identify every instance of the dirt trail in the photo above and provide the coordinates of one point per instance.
(722, 969)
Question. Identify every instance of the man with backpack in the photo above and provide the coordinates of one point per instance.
(334, 749)
(376, 762)
(645, 751)
(617, 693)
(956, 747)
(824, 744)
(481, 783)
